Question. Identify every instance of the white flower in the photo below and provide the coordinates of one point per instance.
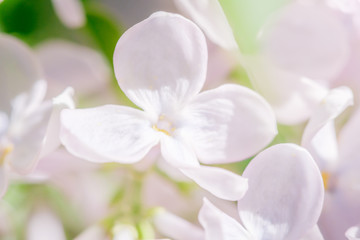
(29, 127)
(160, 64)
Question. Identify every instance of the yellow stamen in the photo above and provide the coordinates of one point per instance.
(6, 151)
(160, 130)
(326, 177)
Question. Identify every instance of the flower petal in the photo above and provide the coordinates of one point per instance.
(94, 232)
(3, 180)
(176, 228)
(70, 12)
(218, 225)
(228, 124)
(177, 153)
(313, 234)
(4, 122)
(319, 135)
(161, 62)
(307, 39)
(349, 144)
(19, 69)
(220, 182)
(43, 225)
(27, 130)
(285, 194)
(291, 96)
(107, 134)
(68, 64)
(52, 140)
(210, 17)
(353, 233)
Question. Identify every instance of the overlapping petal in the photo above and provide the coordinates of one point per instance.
(177, 228)
(218, 225)
(228, 124)
(319, 135)
(285, 194)
(210, 17)
(27, 130)
(108, 133)
(220, 182)
(160, 63)
(291, 96)
(177, 152)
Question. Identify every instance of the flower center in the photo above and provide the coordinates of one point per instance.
(164, 125)
(4, 151)
(326, 177)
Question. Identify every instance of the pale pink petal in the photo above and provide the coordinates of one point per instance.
(218, 225)
(70, 12)
(63, 101)
(291, 96)
(307, 39)
(19, 69)
(285, 194)
(107, 134)
(160, 63)
(209, 15)
(220, 182)
(353, 233)
(228, 124)
(313, 234)
(3, 180)
(177, 152)
(349, 144)
(176, 228)
(124, 232)
(29, 122)
(68, 64)
(319, 135)
(93, 233)
(43, 225)
(4, 122)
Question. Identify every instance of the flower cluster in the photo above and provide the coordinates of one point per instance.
(221, 127)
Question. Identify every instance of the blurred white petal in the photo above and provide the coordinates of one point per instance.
(208, 14)
(70, 12)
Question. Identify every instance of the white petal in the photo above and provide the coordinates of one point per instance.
(220, 182)
(107, 134)
(93, 233)
(52, 140)
(349, 144)
(176, 228)
(68, 64)
(228, 124)
(161, 62)
(291, 96)
(218, 225)
(70, 12)
(44, 225)
(285, 194)
(319, 135)
(209, 15)
(19, 69)
(177, 152)
(29, 122)
(353, 233)
(308, 40)
(124, 232)
(313, 234)
(4, 123)
(3, 180)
